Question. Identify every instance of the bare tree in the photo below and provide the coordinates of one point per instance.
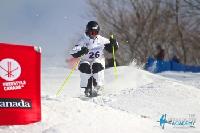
(191, 19)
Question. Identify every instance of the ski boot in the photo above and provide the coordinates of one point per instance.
(88, 92)
(97, 90)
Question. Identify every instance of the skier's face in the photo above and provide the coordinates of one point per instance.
(93, 33)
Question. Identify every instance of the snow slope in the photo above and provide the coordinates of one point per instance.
(189, 78)
(132, 103)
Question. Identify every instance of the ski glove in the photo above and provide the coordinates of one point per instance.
(84, 50)
(113, 42)
(109, 46)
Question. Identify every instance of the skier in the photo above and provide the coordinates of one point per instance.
(92, 61)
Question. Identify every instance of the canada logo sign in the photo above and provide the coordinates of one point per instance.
(20, 82)
(9, 69)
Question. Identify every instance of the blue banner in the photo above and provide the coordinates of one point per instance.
(157, 66)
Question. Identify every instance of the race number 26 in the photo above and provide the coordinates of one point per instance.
(94, 54)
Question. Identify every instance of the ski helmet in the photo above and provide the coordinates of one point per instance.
(92, 29)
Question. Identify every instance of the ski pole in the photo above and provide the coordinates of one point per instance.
(114, 60)
(67, 79)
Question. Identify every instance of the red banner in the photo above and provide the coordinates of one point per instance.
(20, 68)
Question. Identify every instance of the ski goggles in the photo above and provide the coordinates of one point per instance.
(93, 32)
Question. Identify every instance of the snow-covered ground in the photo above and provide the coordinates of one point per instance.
(132, 103)
(192, 79)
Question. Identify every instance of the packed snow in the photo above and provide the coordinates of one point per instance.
(134, 102)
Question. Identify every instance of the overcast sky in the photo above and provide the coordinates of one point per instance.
(51, 24)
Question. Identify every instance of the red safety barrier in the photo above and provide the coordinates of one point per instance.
(20, 100)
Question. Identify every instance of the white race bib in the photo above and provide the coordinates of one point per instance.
(95, 53)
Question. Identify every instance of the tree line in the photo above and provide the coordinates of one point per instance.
(141, 25)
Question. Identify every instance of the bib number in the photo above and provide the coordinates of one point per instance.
(93, 55)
